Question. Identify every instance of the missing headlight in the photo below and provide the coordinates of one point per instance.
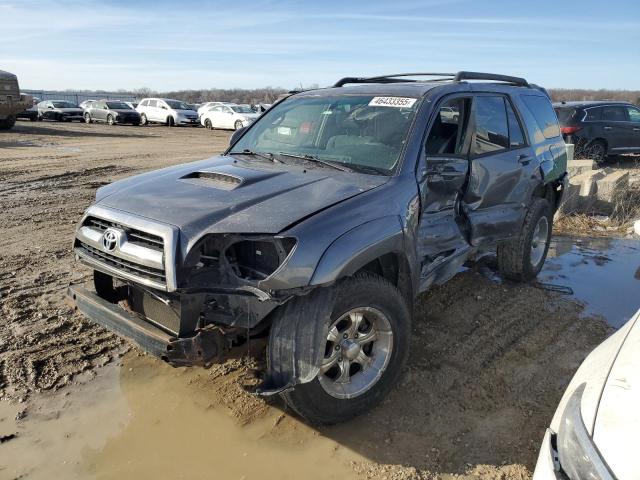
(257, 259)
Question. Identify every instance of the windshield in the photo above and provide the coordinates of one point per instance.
(354, 130)
(118, 106)
(177, 105)
(241, 109)
(63, 104)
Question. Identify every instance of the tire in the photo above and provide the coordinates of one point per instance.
(87, 118)
(324, 400)
(522, 258)
(208, 124)
(110, 120)
(33, 118)
(7, 123)
(597, 151)
(143, 120)
(171, 122)
(237, 125)
(136, 124)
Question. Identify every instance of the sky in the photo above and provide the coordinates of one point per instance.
(176, 45)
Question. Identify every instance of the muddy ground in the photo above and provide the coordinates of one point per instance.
(488, 364)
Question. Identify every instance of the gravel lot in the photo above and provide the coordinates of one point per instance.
(488, 364)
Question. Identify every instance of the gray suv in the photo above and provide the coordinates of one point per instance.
(319, 226)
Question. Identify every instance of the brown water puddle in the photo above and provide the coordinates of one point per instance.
(145, 420)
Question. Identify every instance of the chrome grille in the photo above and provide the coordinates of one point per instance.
(154, 274)
(135, 236)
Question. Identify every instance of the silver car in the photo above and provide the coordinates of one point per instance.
(166, 111)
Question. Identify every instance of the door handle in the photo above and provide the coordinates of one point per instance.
(524, 159)
(636, 129)
(607, 128)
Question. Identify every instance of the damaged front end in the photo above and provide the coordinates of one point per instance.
(189, 311)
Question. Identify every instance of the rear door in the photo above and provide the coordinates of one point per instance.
(618, 130)
(99, 111)
(502, 170)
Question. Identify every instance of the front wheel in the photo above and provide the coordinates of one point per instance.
(143, 120)
(237, 125)
(87, 118)
(170, 122)
(208, 124)
(522, 258)
(110, 120)
(365, 348)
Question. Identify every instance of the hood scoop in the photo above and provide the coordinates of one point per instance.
(227, 177)
(223, 181)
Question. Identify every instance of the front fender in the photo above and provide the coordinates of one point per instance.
(357, 247)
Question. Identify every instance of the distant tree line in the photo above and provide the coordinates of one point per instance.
(568, 94)
(270, 94)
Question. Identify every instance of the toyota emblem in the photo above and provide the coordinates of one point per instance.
(109, 239)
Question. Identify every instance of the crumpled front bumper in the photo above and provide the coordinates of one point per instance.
(203, 348)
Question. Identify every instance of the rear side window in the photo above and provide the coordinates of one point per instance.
(516, 136)
(593, 114)
(491, 125)
(566, 115)
(614, 114)
(543, 112)
(634, 114)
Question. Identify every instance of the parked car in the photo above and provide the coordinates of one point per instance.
(261, 107)
(12, 102)
(206, 106)
(133, 105)
(60, 110)
(228, 116)
(320, 224)
(166, 111)
(594, 432)
(31, 113)
(111, 112)
(86, 104)
(600, 129)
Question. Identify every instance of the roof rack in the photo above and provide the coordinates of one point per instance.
(456, 77)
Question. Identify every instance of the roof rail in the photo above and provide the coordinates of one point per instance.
(393, 78)
(460, 76)
(456, 77)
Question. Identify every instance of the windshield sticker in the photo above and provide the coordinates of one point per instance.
(284, 131)
(397, 102)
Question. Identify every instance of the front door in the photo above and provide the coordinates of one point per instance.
(634, 127)
(502, 171)
(442, 174)
(616, 127)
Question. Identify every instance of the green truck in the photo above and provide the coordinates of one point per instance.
(11, 102)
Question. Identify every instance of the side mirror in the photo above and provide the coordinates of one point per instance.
(236, 135)
(163, 107)
(50, 107)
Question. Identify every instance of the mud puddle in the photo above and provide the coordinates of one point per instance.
(604, 274)
(143, 419)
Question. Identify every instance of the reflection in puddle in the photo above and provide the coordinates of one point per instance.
(146, 420)
(604, 274)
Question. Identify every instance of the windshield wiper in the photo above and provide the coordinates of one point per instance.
(266, 155)
(314, 158)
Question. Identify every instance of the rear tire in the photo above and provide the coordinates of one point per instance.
(87, 118)
(7, 123)
(522, 258)
(330, 397)
(110, 120)
(597, 151)
(143, 120)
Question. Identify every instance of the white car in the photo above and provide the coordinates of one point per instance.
(228, 116)
(207, 106)
(595, 431)
(166, 111)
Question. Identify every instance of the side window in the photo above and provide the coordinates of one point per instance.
(634, 114)
(593, 114)
(541, 109)
(614, 114)
(516, 136)
(217, 109)
(448, 132)
(491, 127)
(153, 103)
(144, 103)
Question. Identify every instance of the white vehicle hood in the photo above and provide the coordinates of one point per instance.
(617, 425)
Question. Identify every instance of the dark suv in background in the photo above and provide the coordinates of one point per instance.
(600, 129)
(111, 112)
